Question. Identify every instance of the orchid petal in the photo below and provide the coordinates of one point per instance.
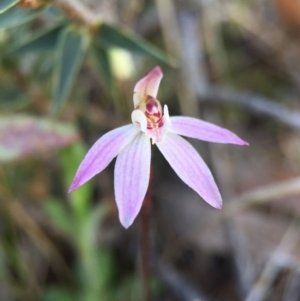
(148, 85)
(139, 119)
(199, 129)
(102, 153)
(132, 174)
(190, 167)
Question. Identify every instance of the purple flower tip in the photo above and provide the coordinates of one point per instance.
(126, 223)
(74, 185)
(219, 206)
(237, 140)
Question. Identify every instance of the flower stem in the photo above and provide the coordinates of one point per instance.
(145, 241)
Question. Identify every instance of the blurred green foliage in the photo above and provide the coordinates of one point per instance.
(42, 51)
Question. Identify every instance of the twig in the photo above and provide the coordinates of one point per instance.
(272, 41)
(179, 285)
(170, 30)
(254, 102)
(32, 228)
(274, 265)
(174, 38)
(145, 252)
(234, 235)
(146, 241)
(193, 60)
(236, 241)
(78, 11)
(293, 290)
(263, 195)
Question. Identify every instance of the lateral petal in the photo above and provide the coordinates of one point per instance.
(132, 174)
(148, 85)
(199, 129)
(190, 167)
(102, 153)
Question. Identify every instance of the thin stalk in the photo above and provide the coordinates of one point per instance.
(145, 241)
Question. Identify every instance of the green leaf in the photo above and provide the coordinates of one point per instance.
(44, 39)
(99, 270)
(104, 71)
(80, 198)
(54, 11)
(11, 97)
(111, 36)
(97, 263)
(90, 226)
(7, 4)
(18, 16)
(59, 216)
(58, 293)
(70, 52)
(22, 136)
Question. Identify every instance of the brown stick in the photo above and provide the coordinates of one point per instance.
(78, 11)
(146, 241)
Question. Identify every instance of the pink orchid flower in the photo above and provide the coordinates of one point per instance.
(132, 144)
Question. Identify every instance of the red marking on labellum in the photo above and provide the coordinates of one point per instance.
(153, 113)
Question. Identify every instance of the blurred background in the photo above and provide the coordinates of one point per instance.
(67, 73)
